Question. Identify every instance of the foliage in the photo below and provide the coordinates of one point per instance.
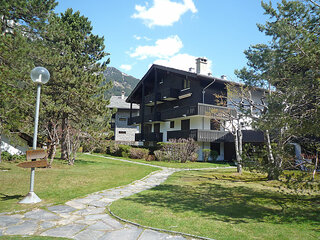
(206, 154)
(119, 150)
(138, 153)
(289, 66)
(178, 150)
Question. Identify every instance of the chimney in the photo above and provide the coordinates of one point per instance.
(122, 95)
(224, 77)
(201, 64)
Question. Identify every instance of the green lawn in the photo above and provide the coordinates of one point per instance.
(175, 164)
(62, 182)
(220, 204)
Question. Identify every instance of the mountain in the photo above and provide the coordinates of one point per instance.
(121, 82)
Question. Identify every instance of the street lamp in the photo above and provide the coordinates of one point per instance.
(39, 75)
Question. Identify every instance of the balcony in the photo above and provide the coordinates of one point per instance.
(217, 112)
(149, 99)
(200, 135)
(147, 118)
(169, 94)
(149, 137)
(134, 120)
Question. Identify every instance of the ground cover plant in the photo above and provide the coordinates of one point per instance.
(222, 204)
(63, 182)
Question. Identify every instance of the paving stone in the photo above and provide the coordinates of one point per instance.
(1, 232)
(40, 214)
(8, 220)
(107, 219)
(90, 211)
(98, 204)
(64, 231)
(123, 234)
(61, 209)
(89, 235)
(101, 226)
(76, 204)
(68, 220)
(25, 228)
(46, 225)
(154, 235)
(93, 197)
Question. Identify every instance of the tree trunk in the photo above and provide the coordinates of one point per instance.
(316, 166)
(238, 156)
(64, 126)
(0, 146)
(269, 147)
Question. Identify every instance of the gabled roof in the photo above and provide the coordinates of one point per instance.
(120, 103)
(180, 72)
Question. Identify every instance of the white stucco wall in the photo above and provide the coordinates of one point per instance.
(122, 126)
(13, 146)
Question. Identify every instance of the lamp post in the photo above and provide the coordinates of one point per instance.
(39, 75)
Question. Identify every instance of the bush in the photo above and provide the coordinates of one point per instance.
(138, 153)
(181, 150)
(119, 150)
(5, 156)
(214, 155)
(206, 154)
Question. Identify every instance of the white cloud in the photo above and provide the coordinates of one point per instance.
(181, 61)
(163, 12)
(163, 48)
(139, 38)
(126, 67)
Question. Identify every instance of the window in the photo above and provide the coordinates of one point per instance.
(186, 83)
(172, 124)
(161, 81)
(185, 124)
(122, 132)
(214, 124)
(122, 119)
(156, 128)
(215, 147)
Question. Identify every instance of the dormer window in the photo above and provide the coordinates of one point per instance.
(186, 83)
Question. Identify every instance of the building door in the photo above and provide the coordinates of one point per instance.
(185, 124)
(215, 147)
(156, 128)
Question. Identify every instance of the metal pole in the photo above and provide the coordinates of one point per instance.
(32, 197)
(35, 133)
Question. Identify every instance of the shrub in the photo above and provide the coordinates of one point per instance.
(161, 156)
(181, 150)
(206, 154)
(5, 156)
(151, 158)
(138, 153)
(124, 150)
(214, 155)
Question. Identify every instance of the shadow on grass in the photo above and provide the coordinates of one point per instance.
(237, 204)
(5, 197)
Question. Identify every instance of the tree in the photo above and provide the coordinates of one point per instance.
(19, 22)
(75, 93)
(289, 65)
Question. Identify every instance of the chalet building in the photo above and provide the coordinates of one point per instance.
(123, 132)
(184, 104)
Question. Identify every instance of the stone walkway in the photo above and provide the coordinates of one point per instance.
(86, 218)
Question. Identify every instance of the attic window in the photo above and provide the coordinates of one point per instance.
(186, 83)
(161, 81)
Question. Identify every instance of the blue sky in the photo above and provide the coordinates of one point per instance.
(174, 32)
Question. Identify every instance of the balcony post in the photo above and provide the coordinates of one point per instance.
(142, 111)
(155, 94)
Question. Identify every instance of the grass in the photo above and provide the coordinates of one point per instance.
(176, 164)
(221, 204)
(62, 182)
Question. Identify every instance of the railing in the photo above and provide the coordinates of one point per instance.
(169, 94)
(199, 135)
(213, 111)
(147, 118)
(150, 137)
(150, 98)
